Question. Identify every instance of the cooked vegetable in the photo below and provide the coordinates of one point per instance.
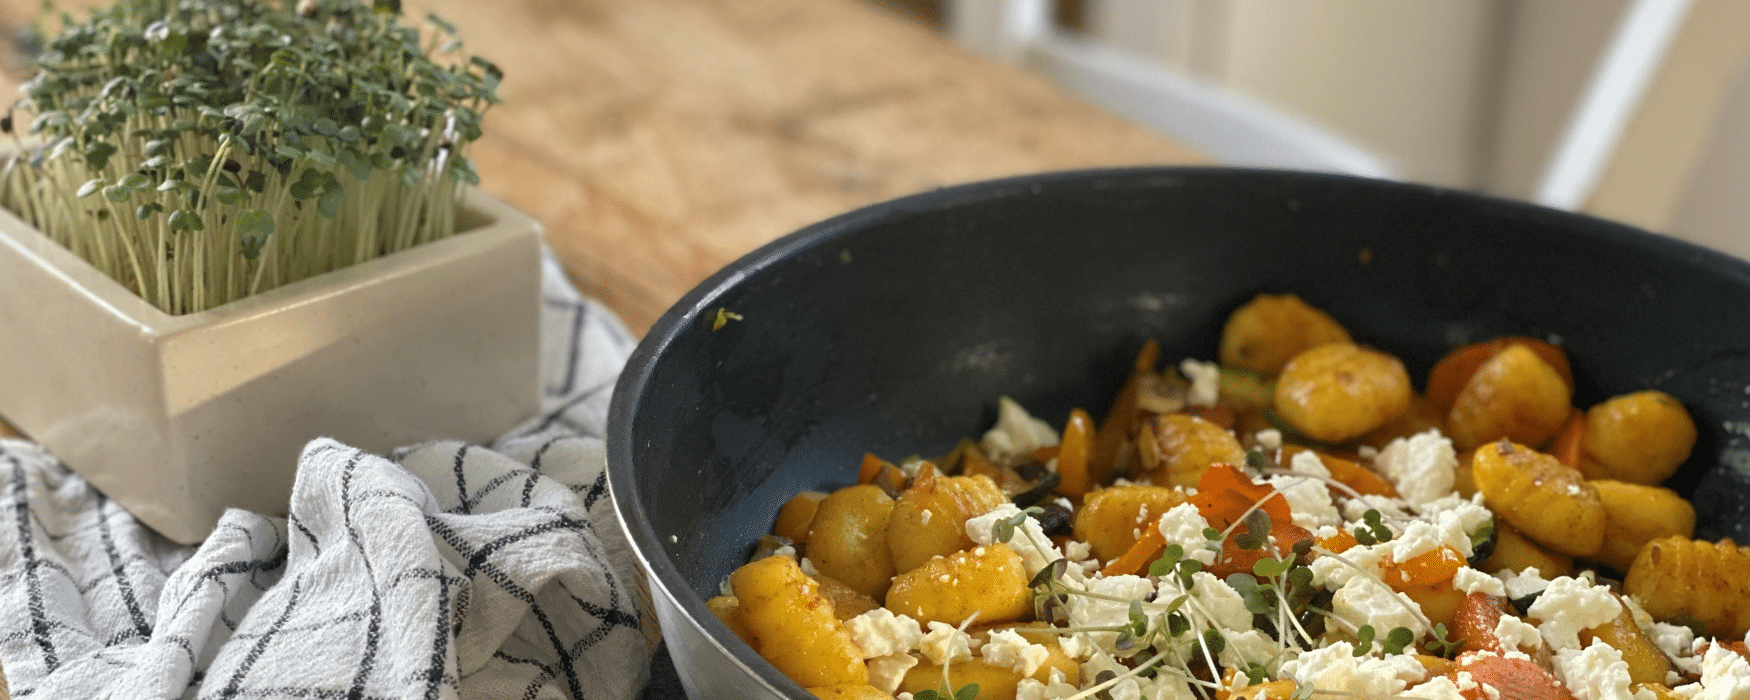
(1339, 391)
(850, 692)
(797, 516)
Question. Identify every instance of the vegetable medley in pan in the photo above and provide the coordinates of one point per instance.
(1293, 521)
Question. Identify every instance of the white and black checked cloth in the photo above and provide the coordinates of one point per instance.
(443, 570)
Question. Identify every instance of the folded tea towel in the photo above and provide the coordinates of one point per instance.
(443, 570)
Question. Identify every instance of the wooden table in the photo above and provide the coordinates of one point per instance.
(658, 140)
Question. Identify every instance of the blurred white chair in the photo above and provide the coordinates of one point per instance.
(1227, 127)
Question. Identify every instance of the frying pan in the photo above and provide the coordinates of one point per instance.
(894, 328)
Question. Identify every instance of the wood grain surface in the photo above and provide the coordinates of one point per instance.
(658, 140)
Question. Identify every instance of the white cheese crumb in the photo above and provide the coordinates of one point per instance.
(1029, 689)
(1125, 689)
(879, 632)
(807, 566)
(1308, 462)
(1253, 647)
(1220, 603)
(886, 672)
(1597, 673)
(1724, 676)
(1418, 538)
(1523, 583)
(1205, 382)
(1308, 500)
(1365, 601)
(1017, 434)
(945, 643)
(1268, 439)
(1008, 649)
(1570, 605)
(1472, 581)
(1437, 688)
(1515, 633)
(1678, 643)
(1355, 508)
(1184, 525)
(1089, 611)
(1029, 539)
(1422, 466)
(1330, 571)
(1336, 669)
(1077, 550)
(924, 517)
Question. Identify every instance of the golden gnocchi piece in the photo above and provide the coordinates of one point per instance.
(849, 692)
(1710, 581)
(1515, 395)
(1547, 501)
(1264, 333)
(797, 516)
(996, 682)
(990, 581)
(1110, 517)
(1337, 392)
(1640, 438)
(793, 626)
(728, 609)
(1513, 552)
(846, 601)
(848, 540)
(929, 519)
(1174, 449)
(1635, 515)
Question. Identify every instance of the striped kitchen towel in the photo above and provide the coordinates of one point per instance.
(442, 570)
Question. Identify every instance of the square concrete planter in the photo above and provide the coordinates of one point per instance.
(177, 418)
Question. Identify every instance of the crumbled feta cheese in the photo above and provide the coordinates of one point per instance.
(1333, 571)
(1356, 508)
(1472, 581)
(1205, 382)
(1125, 689)
(1515, 633)
(945, 643)
(1570, 605)
(1366, 601)
(1678, 643)
(1184, 526)
(1017, 434)
(926, 516)
(1421, 466)
(1166, 686)
(1253, 647)
(1436, 688)
(1091, 611)
(1219, 602)
(1457, 518)
(1336, 669)
(1596, 673)
(879, 632)
(1523, 583)
(1029, 540)
(1268, 439)
(1724, 676)
(1308, 462)
(1029, 689)
(886, 672)
(1008, 649)
(807, 566)
(1418, 538)
(1308, 500)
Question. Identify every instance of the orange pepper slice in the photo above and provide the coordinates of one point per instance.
(1074, 454)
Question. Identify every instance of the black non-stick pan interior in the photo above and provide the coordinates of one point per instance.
(894, 329)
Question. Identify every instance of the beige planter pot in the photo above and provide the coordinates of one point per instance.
(177, 418)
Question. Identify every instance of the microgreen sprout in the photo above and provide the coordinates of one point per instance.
(1398, 639)
(1443, 644)
(966, 692)
(199, 151)
(1375, 531)
(1003, 529)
